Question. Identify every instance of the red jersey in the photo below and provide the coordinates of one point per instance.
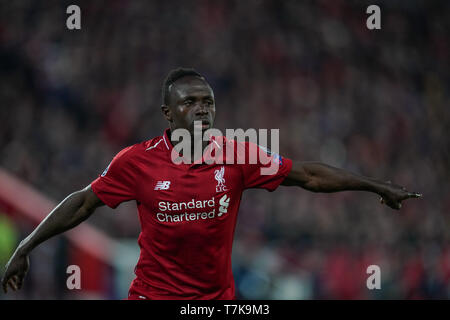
(188, 216)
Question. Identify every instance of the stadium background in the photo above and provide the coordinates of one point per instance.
(374, 102)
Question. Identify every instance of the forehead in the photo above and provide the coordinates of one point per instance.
(190, 86)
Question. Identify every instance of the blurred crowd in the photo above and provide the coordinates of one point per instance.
(375, 102)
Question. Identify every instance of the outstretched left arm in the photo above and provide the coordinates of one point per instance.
(320, 177)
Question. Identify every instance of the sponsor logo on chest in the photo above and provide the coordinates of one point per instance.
(195, 209)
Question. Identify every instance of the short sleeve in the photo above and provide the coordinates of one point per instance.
(268, 172)
(117, 183)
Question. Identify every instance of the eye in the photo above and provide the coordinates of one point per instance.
(188, 102)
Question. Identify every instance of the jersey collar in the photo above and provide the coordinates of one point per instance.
(207, 155)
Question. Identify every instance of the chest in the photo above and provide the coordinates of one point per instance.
(181, 183)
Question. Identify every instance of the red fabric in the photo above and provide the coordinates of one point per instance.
(186, 240)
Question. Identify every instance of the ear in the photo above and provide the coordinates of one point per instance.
(166, 112)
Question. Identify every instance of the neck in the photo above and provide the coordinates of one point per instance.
(204, 144)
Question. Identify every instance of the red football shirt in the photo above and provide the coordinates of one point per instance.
(188, 216)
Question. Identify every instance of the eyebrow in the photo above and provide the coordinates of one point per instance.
(195, 97)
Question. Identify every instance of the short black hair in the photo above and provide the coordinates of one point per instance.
(173, 76)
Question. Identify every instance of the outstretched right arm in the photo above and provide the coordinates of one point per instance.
(73, 210)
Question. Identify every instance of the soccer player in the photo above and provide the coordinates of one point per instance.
(187, 212)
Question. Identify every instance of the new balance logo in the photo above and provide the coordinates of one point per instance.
(162, 185)
(224, 203)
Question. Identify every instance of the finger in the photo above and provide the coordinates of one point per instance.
(12, 284)
(19, 282)
(395, 206)
(16, 281)
(5, 280)
(5, 285)
(414, 195)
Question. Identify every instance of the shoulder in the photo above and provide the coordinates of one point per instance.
(233, 152)
(224, 141)
(239, 148)
(154, 144)
(131, 153)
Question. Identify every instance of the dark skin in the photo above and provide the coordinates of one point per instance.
(73, 210)
(191, 99)
(320, 177)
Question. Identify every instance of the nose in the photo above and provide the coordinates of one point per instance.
(202, 109)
